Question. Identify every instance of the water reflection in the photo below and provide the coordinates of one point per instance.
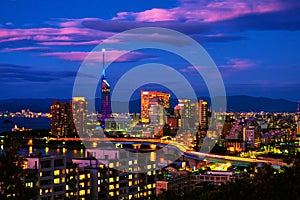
(69, 153)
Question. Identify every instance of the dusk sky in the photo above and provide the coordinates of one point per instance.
(254, 43)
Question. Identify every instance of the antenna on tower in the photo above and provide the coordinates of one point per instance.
(103, 65)
(103, 51)
(298, 110)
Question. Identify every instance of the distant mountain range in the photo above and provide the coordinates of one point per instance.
(234, 103)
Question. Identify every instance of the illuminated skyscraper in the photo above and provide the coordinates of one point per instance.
(203, 114)
(61, 121)
(298, 118)
(149, 98)
(189, 113)
(80, 110)
(105, 95)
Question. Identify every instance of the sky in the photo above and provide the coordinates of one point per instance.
(254, 43)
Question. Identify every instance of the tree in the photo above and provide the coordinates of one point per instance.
(12, 185)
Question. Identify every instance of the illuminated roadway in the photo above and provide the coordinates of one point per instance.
(183, 148)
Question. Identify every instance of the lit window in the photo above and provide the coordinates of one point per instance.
(88, 175)
(117, 186)
(111, 194)
(41, 174)
(30, 184)
(63, 179)
(98, 189)
(82, 176)
(130, 176)
(56, 172)
(130, 162)
(130, 183)
(111, 165)
(88, 191)
(82, 192)
(111, 180)
(117, 178)
(67, 187)
(56, 181)
(111, 187)
(148, 166)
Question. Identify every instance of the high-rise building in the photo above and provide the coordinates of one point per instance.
(50, 174)
(298, 118)
(203, 114)
(188, 112)
(157, 115)
(80, 110)
(149, 98)
(61, 121)
(105, 98)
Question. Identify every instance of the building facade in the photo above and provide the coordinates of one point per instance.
(80, 110)
(152, 98)
(61, 121)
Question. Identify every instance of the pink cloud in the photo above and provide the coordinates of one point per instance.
(203, 11)
(54, 36)
(156, 14)
(232, 64)
(110, 56)
(25, 49)
(74, 22)
(238, 64)
(71, 43)
(192, 68)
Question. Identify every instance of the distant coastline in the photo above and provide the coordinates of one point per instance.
(241, 103)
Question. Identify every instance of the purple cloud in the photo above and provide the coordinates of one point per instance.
(24, 49)
(237, 64)
(204, 11)
(110, 56)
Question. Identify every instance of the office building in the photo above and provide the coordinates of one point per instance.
(80, 110)
(298, 119)
(203, 114)
(152, 98)
(61, 121)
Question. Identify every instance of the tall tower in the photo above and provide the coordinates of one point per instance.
(150, 98)
(105, 94)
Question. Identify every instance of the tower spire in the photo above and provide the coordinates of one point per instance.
(103, 65)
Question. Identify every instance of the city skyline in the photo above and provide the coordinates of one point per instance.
(254, 45)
